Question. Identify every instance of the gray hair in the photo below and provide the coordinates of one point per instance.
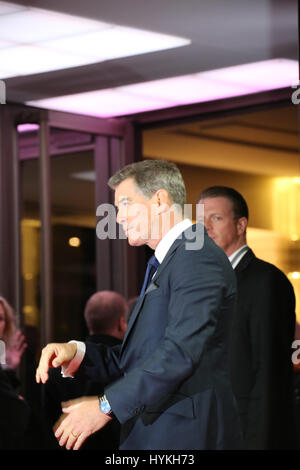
(152, 175)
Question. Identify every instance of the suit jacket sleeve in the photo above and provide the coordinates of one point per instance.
(101, 363)
(197, 287)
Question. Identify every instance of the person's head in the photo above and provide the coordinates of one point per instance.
(225, 217)
(105, 313)
(150, 197)
(7, 321)
(130, 307)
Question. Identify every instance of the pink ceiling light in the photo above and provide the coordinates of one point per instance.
(196, 88)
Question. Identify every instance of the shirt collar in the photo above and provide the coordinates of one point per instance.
(167, 241)
(236, 257)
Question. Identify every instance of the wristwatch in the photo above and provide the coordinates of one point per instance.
(104, 405)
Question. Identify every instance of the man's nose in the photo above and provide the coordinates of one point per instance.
(121, 217)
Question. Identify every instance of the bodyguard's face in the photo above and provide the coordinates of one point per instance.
(221, 225)
(134, 213)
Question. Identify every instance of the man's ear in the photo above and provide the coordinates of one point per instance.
(242, 225)
(162, 200)
(123, 324)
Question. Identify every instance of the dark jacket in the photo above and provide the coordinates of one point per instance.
(260, 354)
(171, 389)
(14, 415)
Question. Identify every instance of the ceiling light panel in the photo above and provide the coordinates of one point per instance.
(267, 74)
(35, 25)
(185, 89)
(7, 8)
(195, 88)
(25, 60)
(67, 41)
(115, 42)
(104, 103)
(4, 44)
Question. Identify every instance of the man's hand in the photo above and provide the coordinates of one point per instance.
(82, 417)
(54, 355)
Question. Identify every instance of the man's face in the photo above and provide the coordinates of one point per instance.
(135, 213)
(221, 225)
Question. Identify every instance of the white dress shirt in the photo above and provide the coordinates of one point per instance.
(236, 257)
(167, 241)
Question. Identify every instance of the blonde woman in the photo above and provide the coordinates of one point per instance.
(14, 410)
(13, 339)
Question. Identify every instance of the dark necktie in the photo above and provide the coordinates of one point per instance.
(151, 268)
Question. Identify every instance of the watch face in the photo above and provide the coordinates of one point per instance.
(105, 407)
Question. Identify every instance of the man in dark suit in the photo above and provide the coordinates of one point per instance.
(169, 387)
(105, 317)
(262, 330)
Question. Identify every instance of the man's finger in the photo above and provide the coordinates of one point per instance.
(58, 422)
(63, 439)
(68, 406)
(44, 364)
(71, 441)
(80, 440)
(60, 426)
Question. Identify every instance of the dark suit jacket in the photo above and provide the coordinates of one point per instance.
(171, 389)
(260, 354)
(14, 416)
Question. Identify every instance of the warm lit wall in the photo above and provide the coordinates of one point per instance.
(31, 270)
(257, 190)
(261, 193)
(256, 153)
(272, 213)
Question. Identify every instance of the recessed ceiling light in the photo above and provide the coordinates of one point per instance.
(33, 40)
(8, 8)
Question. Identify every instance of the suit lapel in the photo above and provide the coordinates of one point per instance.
(244, 263)
(155, 279)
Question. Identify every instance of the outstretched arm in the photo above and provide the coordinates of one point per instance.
(54, 355)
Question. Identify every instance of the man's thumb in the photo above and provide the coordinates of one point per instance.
(58, 360)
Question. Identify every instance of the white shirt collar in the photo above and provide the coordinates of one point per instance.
(167, 241)
(236, 257)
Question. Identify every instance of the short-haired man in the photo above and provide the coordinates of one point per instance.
(105, 314)
(105, 317)
(262, 330)
(169, 387)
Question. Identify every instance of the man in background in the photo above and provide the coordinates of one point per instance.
(105, 317)
(262, 330)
